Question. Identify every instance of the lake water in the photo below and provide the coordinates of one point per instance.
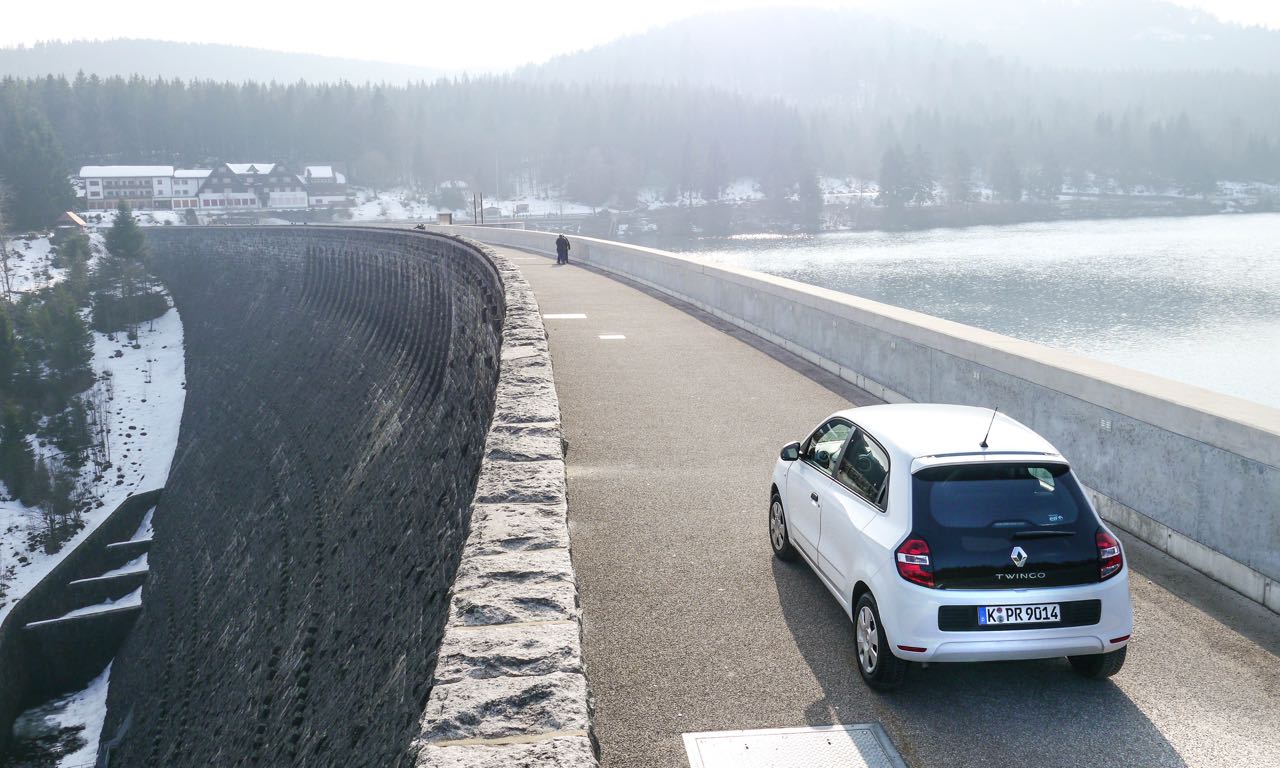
(1192, 299)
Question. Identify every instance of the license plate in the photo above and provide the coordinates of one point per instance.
(1045, 613)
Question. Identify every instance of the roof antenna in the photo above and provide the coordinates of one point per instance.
(983, 444)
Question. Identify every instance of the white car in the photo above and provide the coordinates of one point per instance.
(952, 533)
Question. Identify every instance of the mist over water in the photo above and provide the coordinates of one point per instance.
(1193, 299)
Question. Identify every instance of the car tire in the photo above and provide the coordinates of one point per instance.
(779, 539)
(879, 668)
(1099, 666)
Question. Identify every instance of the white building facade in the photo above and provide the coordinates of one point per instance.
(142, 186)
(186, 187)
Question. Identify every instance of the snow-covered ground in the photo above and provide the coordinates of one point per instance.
(746, 190)
(78, 717)
(738, 191)
(145, 391)
(104, 219)
(142, 385)
(394, 204)
(29, 264)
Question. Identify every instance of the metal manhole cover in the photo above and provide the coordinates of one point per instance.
(863, 745)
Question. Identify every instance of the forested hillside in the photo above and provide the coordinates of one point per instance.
(594, 142)
(197, 61)
(865, 83)
(1142, 35)
(779, 97)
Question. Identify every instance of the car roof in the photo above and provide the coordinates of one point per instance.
(919, 430)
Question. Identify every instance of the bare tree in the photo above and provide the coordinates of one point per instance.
(5, 271)
(100, 420)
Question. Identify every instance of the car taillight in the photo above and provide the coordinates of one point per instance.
(1110, 558)
(914, 564)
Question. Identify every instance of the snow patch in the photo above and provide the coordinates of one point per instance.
(136, 565)
(104, 219)
(31, 264)
(85, 711)
(145, 532)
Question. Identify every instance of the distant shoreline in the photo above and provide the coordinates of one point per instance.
(667, 225)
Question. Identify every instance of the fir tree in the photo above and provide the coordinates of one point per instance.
(41, 484)
(1006, 177)
(896, 187)
(17, 460)
(34, 167)
(67, 341)
(1047, 182)
(959, 178)
(920, 177)
(125, 239)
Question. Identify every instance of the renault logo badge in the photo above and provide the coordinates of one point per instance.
(1018, 556)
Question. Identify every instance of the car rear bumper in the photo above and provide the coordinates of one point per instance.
(910, 615)
(1005, 649)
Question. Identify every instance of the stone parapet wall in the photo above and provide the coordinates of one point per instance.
(510, 689)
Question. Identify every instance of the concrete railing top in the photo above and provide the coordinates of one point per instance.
(1243, 427)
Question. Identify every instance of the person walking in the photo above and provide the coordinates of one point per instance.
(562, 249)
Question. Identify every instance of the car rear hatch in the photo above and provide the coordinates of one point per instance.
(1005, 525)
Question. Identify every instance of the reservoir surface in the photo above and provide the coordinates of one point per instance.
(1192, 299)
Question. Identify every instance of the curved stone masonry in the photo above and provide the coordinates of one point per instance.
(510, 689)
(340, 383)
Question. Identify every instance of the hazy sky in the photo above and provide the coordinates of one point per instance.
(489, 34)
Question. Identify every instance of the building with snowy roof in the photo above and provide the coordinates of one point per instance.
(142, 186)
(327, 187)
(241, 187)
(230, 187)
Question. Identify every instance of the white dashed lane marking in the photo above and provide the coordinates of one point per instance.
(612, 336)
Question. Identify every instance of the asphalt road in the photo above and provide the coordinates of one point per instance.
(691, 625)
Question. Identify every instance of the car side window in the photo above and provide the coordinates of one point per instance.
(823, 446)
(864, 469)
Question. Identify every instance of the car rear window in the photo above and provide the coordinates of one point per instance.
(997, 495)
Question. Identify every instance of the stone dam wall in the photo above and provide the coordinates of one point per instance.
(1193, 472)
(340, 386)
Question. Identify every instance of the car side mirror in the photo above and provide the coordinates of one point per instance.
(790, 452)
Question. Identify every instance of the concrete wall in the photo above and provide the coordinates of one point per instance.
(1195, 473)
(33, 666)
(340, 383)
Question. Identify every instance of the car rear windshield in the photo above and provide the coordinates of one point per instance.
(998, 495)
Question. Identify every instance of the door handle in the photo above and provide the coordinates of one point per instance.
(814, 496)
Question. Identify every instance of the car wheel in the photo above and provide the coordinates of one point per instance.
(1099, 666)
(778, 537)
(879, 668)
